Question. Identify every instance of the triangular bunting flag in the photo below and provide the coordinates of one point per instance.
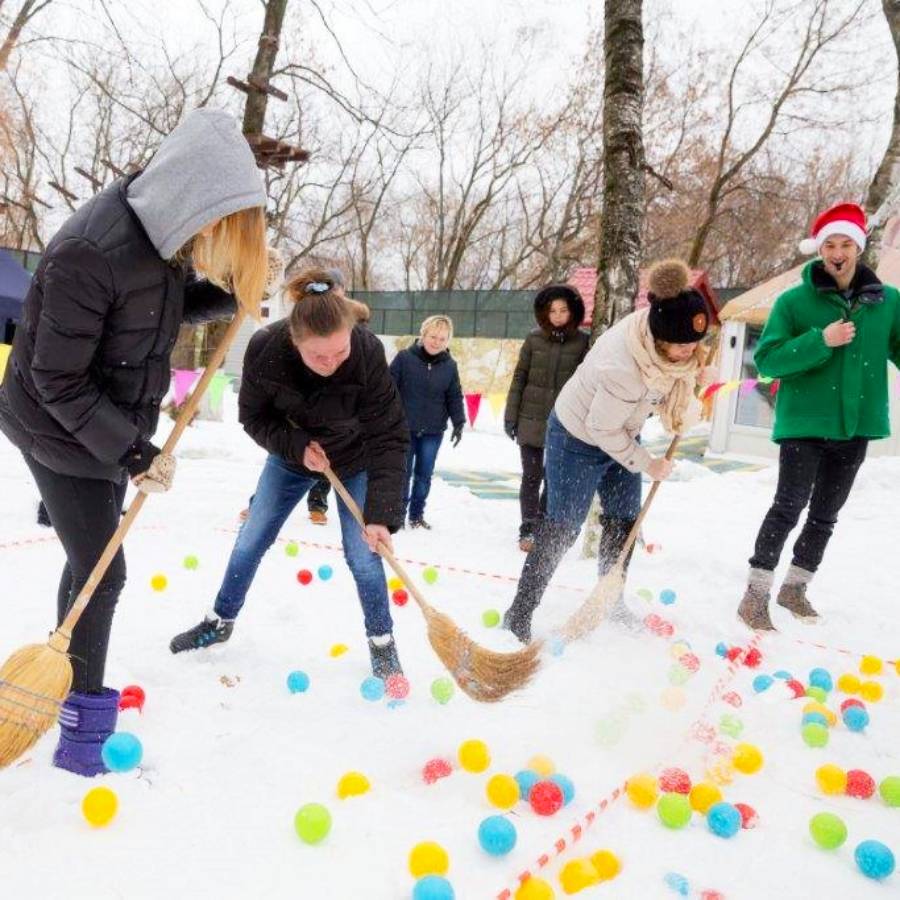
(184, 381)
(473, 404)
(497, 403)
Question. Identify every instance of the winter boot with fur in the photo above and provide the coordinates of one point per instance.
(212, 630)
(754, 608)
(383, 652)
(85, 722)
(792, 595)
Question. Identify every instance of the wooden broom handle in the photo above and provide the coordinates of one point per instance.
(184, 418)
(383, 551)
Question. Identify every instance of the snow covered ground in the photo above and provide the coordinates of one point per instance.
(230, 754)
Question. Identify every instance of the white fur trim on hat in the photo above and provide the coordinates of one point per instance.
(849, 229)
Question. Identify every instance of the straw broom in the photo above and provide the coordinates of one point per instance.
(37, 678)
(485, 675)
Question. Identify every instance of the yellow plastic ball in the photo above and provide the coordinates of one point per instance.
(534, 889)
(678, 649)
(159, 582)
(642, 791)
(541, 764)
(871, 665)
(747, 758)
(897, 666)
(337, 650)
(673, 698)
(99, 806)
(703, 796)
(578, 874)
(815, 706)
(606, 864)
(871, 691)
(720, 771)
(353, 784)
(474, 756)
(831, 779)
(394, 584)
(503, 791)
(428, 858)
(848, 683)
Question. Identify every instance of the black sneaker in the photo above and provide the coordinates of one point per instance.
(209, 631)
(385, 661)
(419, 523)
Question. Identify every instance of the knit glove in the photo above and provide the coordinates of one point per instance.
(511, 429)
(456, 437)
(150, 469)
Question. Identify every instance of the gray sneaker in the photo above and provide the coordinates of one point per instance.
(754, 609)
(793, 598)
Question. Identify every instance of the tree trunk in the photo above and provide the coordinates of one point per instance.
(28, 10)
(882, 197)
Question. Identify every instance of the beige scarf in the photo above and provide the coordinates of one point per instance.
(676, 381)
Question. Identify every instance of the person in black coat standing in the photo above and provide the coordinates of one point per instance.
(90, 364)
(316, 392)
(428, 380)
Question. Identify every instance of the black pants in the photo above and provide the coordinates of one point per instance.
(85, 513)
(317, 498)
(533, 490)
(818, 472)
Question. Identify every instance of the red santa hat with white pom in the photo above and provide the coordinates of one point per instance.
(843, 218)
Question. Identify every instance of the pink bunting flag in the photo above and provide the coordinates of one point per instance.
(747, 386)
(473, 404)
(184, 381)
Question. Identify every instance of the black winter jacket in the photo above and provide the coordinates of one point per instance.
(429, 388)
(355, 414)
(90, 361)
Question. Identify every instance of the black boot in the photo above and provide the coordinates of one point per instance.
(613, 536)
(385, 661)
(212, 630)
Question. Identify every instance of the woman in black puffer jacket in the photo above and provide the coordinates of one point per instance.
(548, 359)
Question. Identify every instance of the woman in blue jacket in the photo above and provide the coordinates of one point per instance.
(428, 380)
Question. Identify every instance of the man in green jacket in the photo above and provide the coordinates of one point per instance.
(828, 340)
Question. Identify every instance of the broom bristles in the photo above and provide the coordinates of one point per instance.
(33, 683)
(591, 613)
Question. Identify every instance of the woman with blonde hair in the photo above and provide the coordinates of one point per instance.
(428, 380)
(174, 243)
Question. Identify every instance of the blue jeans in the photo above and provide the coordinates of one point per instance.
(280, 489)
(423, 451)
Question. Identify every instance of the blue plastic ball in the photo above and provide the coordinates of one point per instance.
(372, 688)
(821, 678)
(724, 819)
(298, 682)
(564, 783)
(678, 883)
(325, 572)
(874, 859)
(557, 646)
(855, 718)
(816, 717)
(667, 597)
(433, 887)
(497, 835)
(762, 683)
(722, 649)
(121, 752)
(526, 779)
(783, 675)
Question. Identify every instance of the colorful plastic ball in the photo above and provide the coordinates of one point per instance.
(490, 618)
(546, 798)
(749, 817)
(679, 648)
(673, 698)
(690, 661)
(99, 806)
(400, 597)
(428, 858)
(325, 572)
(721, 649)
(731, 725)
(724, 820)
(430, 575)
(783, 674)
(732, 698)
(753, 658)
(821, 678)
(831, 779)
(191, 563)
(848, 683)
(636, 702)
(874, 859)
(442, 689)
(704, 795)
(353, 784)
(674, 810)
(817, 693)
(291, 548)
(433, 887)
(720, 770)
(676, 780)
(502, 791)
(678, 883)
(762, 683)
(642, 790)
(860, 784)
(871, 665)
(747, 759)
(796, 688)
(828, 830)
(576, 875)
(816, 706)
(678, 675)
(851, 701)
(645, 594)
(337, 650)
(816, 717)
(565, 785)
(121, 752)
(435, 769)
(497, 835)
(855, 718)
(304, 576)
(526, 780)
(372, 689)
(534, 889)
(606, 864)
(396, 686)
(159, 582)
(815, 735)
(474, 756)
(298, 682)
(667, 597)
(312, 823)
(556, 645)
(132, 697)
(871, 691)
(733, 653)
(541, 764)
(394, 584)
(889, 789)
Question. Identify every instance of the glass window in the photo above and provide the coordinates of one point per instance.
(757, 407)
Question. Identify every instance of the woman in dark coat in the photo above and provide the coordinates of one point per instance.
(547, 360)
(316, 391)
(90, 364)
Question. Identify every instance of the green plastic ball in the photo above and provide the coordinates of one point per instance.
(490, 618)
(890, 790)
(430, 575)
(828, 830)
(731, 725)
(815, 734)
(312, 823)
(645, 594)
(291, 548)
(191, 562)
(442, 690)
(678, 675)
(674, 810)
(817, 693)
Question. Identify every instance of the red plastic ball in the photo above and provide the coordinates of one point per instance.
(733, 653)
(131, 701)
(400, 597)
(753, 658)
(749, 818)
(852, 701)
(711, 895)
(304, 576)
(435, 769)
(546, 798)
(733, 698)
(690, 661)
(860, 784)
(797, 688)
(396, 687)
(135, 690)
(674, 780)
(665, 629)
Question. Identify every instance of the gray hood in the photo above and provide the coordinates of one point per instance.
(203, 170)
